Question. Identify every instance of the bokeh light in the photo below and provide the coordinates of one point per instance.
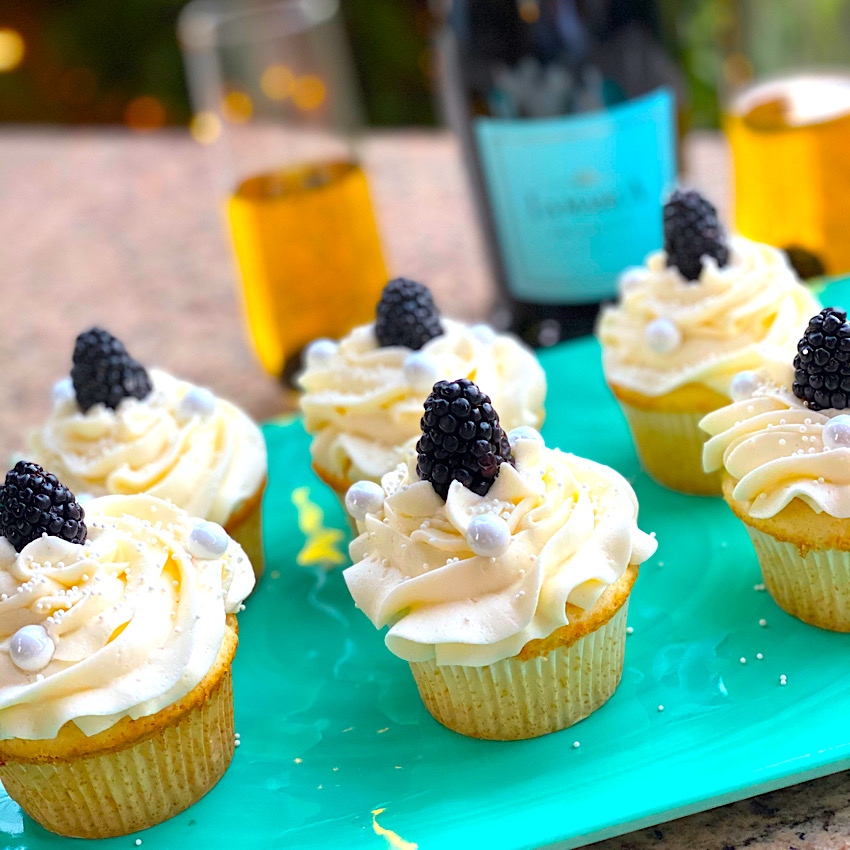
(205, 127)
(237, 107)
(12, 49)
(529, 11)
(309, 92)
(277, 82)
(144, 113)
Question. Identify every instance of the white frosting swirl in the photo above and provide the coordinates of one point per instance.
(364, 412)
(728, 321)
(573, 532)
(773, 445)
(136, 620)
(209, 462)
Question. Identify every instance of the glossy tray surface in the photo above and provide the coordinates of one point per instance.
(337, 750)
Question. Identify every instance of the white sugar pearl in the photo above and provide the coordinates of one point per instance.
(420, 371)
(488, 536)
(320, 352)
(31, 648)
(483, 333)
(364, 497)
(663, 336)
(197, 401)
(63, 391)
(527, 444)
(743, 385)
(208, 541)
(631, 278)
(836, 432)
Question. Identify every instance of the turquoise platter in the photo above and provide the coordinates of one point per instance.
(337, 750)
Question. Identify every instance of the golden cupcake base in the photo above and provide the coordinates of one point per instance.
(246, 528)
(804, 558)
(135, 774)
(550, 685)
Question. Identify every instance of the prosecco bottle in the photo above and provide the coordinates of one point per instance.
(566, 113)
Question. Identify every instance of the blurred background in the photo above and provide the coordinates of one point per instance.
(220, 197)
(98, 62)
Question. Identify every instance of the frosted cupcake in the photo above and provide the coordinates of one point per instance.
(502, 568)
(117, 634)
(362, 398)
(702, 310)
(784, 450)
(117, 429)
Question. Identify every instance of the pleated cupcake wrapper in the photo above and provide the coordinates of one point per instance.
(134, 788)
(514, 699)
(814, 587)
(670, 449)
(249, 535)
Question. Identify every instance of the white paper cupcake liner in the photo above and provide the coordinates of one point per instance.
(514, 699)
(670, 449)
(814, 587)
(135, 787)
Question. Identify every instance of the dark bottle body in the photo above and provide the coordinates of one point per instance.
(565, 111)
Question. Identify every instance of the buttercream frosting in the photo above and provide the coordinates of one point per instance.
(363, 408)
(773, 445)
(137, 621)
(572, 532)
(210, 459)
(727, 321)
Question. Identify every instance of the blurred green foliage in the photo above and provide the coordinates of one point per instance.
(87, 60)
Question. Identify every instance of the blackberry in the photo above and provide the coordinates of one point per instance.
(461, 440)
(104, 373)
(406, 315)
(33, 502)
(822, 364)
(692, 230)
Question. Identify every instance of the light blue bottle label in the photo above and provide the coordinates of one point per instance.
(577, 199)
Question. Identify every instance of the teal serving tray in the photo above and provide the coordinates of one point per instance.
(337, 750)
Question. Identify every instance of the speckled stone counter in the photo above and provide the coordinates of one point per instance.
(125, 230)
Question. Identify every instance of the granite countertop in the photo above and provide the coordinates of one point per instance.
(125, 230)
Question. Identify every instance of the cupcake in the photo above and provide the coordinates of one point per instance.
(701, 311)
(362, 398)
(783, 448)
(117, 634)
(117, 429)
(502, 568)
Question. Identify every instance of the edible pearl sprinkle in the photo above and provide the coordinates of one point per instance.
(836, 432)
(198, 401)
(662, 336)
(63, 391)
(576, 745)
(364, 497)
(320, 352)
(420, 371)
(207, 540)
(743, 385)
(488, 536)
(31, 648)
(483, 333)
(631, 278)
(527, 444)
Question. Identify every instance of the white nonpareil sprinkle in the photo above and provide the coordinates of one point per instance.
(660, 708)
(759, 656)
(138, 842)
(762, 622)
(576, 745)
(629, 630)
(743, 660)
(759, 587)
(236, 742)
